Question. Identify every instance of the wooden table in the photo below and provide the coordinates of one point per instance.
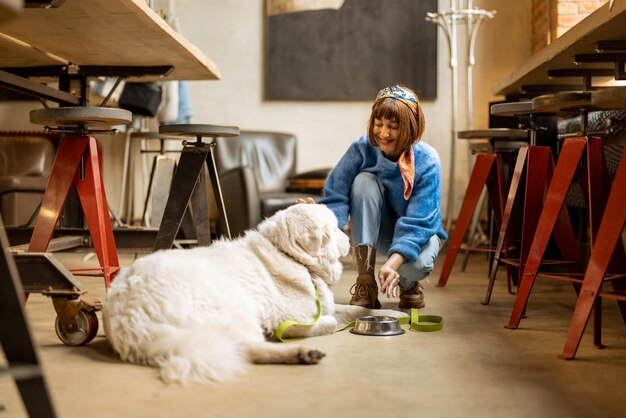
(101, 32)
(601, 25)
(97, 37)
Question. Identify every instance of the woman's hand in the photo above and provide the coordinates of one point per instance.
(389, 280)
(308, 200)
(388, 275)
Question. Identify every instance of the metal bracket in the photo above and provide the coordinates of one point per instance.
(587, 75)
(80, 130)
(618, 60)
(31, 88)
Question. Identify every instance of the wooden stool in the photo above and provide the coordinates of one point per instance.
(193, 158)
(607, 246)
(79, 161)
(487, 172)
(536, 163)
(595, 182)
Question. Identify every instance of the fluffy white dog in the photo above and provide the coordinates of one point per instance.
(203, 314)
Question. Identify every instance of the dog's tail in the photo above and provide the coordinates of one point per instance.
(198, 352)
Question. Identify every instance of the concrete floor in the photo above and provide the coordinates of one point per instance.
(472, 368)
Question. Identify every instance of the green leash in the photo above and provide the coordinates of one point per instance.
(423, 323)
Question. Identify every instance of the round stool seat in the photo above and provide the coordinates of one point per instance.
(609, 98)
(494, 133)
(90, 117)
(562, 103)
(499, 139)
(512, 109)
(195, 130)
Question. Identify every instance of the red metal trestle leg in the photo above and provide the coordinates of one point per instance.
(92, 196)
(482, 175)
(608, 237)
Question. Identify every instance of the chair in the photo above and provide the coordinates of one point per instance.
(605, 252)
(257, 170)
(26, 160)
(78, 161)
(487, 172)
(532, 173)
(189, 184)
(580, 154)
(162, 171)
(605, 205)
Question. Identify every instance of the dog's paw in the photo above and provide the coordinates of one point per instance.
(311, 355)
(392, 313)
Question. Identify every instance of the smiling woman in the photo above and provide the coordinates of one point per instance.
(389, 184)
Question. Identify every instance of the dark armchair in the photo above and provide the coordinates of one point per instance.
(25, 162)
(258, 177)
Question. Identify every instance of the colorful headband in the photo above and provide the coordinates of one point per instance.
(399, 93)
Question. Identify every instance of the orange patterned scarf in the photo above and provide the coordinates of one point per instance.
(406, 163)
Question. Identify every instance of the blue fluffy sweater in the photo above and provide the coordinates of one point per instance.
(419, 218)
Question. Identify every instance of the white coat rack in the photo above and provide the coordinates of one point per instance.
(461, 13)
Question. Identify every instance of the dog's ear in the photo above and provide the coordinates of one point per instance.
(312, 240)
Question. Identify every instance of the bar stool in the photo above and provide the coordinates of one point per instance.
(79, 161)
(594, 180)
(533, 169)
(487, 172)
(607, 243)
(189, 176)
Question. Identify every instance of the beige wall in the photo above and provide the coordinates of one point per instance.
(231, 33)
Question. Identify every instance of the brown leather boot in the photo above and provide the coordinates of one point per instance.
(365, 291)
(413, 297)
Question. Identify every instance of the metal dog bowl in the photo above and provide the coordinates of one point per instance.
(377, 325)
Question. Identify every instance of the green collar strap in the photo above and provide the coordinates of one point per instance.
(280, 331)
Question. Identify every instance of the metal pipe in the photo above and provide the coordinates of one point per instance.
(448, 21)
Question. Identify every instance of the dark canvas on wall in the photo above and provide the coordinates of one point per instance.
(351, 53)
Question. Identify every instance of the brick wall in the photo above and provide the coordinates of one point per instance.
(552, 18)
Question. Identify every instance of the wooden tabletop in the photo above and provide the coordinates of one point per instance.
(101, 33)
(601, 25)
(15, 53)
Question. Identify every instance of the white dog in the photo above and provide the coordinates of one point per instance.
(203, 314)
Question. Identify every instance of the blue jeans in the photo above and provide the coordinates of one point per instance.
(373, 222)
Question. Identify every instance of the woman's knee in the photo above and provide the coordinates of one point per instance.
(417, 270)
(366, 188)
(424, 266)
(365, 185)
(425, 263)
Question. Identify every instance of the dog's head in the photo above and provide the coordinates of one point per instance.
(309, 234)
